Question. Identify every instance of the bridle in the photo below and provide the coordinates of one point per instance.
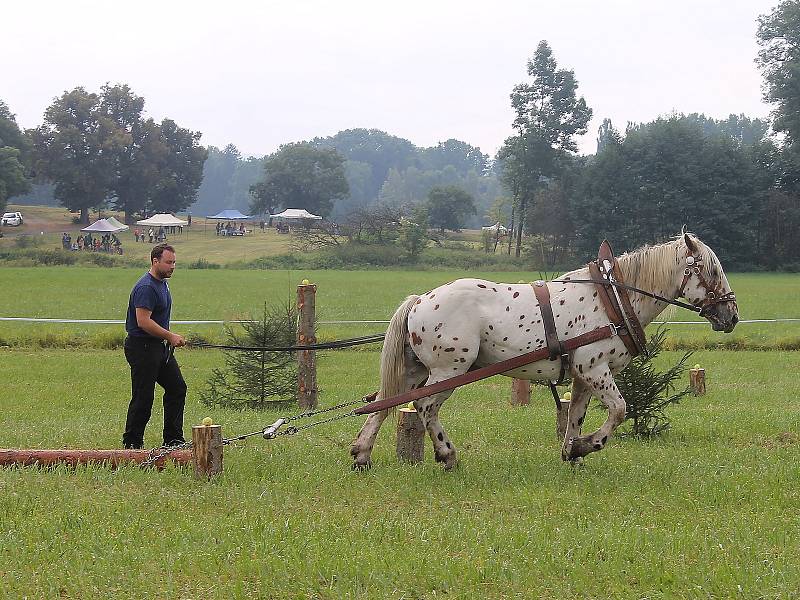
(694, 266)
(714, 295)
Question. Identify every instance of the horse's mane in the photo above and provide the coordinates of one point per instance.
(652, 268)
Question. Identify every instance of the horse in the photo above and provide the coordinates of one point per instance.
(470, 323)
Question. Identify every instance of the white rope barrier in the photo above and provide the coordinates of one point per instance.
(218, 322)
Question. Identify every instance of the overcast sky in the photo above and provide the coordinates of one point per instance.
(259, 74)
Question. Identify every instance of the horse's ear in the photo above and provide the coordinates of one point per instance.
(690, 244)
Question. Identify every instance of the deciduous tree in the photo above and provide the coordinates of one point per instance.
(300, 176)
(549, 115)
(448, 207)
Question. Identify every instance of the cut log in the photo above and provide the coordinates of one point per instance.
(112, 458)
(697, 381)
(410, 436)
(520, 392)
(207, 450)
(561, 419)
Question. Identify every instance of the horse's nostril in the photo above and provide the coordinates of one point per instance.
(735, 319)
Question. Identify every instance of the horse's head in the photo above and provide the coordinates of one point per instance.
(705, 285)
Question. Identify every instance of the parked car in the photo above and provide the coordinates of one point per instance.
(12, 219)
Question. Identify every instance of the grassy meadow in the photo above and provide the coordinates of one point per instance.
(707, 511)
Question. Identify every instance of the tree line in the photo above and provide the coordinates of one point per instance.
(735, 181)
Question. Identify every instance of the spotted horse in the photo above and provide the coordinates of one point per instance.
(469, 324)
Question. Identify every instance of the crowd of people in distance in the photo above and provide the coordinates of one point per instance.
(155, 236)
(230, 228)
(109, 242)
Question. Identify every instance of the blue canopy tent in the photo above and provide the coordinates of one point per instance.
(229, 214)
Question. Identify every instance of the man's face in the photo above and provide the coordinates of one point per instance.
(165, 265)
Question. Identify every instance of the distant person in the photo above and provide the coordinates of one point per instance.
(189, 220)
(150, 234)
(148, 350)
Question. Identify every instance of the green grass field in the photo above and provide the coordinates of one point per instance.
(707, 511)
(224, 294)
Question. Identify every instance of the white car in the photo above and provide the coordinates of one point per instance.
(12, 219)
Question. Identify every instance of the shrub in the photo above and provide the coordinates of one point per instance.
(649, 392)
(253, 379)
(202, 263)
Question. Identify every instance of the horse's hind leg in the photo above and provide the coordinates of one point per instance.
(362, 446)
(601, 383)
(361, 450)
(428, 410)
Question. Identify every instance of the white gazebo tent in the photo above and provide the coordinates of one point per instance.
(295, 213)
(113, 221)
(163, 220)
(495, 228)
(103, 226)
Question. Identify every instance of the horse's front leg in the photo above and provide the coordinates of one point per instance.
(601, 384)
(581, 394)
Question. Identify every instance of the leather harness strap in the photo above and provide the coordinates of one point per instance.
(616, 300)
(605, 256)
(601, 333)
(554, 346)
(610, 308)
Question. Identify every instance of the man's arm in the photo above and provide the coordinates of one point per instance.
(147, 324)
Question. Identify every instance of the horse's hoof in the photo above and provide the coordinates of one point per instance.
(577, 448)
(362, 466)
(450, 465)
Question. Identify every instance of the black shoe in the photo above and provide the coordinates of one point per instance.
(129, 446)
(172, 443)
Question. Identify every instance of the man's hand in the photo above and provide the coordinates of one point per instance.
(175, 340)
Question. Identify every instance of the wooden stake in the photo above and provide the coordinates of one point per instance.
(410, 436)
(306, 359)
(697, 381)
(520, 392)
(561, 419)
(207, 450)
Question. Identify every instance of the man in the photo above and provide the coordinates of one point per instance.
(149, 351)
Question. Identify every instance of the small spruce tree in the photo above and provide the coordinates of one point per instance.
(648, 392)
(252, 379)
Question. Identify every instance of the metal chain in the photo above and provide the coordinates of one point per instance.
(312, 413)
(160, 452)
(293, 430)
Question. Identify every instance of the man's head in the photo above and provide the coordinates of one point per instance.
(162, 261)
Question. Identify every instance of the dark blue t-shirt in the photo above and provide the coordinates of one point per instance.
(152, 294)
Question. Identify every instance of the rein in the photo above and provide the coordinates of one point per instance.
(631, 288)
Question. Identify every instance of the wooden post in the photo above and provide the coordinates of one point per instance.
(520, 392)
(410, 436)
(561, 419)
(697, 381)
(306, 359)
(207, 450)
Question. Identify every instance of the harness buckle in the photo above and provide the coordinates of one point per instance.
(614, 329)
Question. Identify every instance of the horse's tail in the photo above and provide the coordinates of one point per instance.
(393, 360)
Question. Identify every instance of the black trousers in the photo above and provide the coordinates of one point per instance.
(152, 363)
